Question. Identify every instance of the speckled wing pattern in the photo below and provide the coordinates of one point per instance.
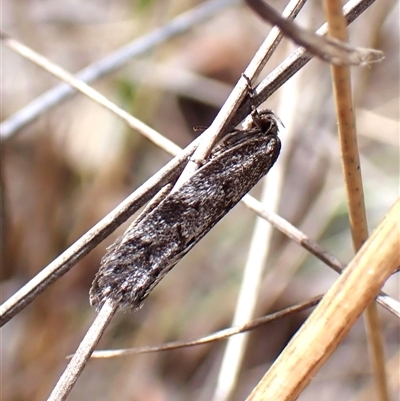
(144, 254)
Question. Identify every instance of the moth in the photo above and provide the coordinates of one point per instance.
(158, 240)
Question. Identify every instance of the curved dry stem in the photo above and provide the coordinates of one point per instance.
(332, 50)
(219, 335)
(352, 9)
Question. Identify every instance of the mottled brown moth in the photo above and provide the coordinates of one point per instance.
(158, 240)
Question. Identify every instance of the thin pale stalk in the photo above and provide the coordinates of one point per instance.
(352, 174)
(269, 85)
(224, 117)
(91, 93)
(112, 62)
(286, 228)
(219, 335)
(82, 355)
(257, 256)
(122, 212)
(81, 247)
(334, 316)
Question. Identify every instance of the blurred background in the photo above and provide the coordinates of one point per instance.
(63, 172)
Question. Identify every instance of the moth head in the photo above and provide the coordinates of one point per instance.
(264, 120)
